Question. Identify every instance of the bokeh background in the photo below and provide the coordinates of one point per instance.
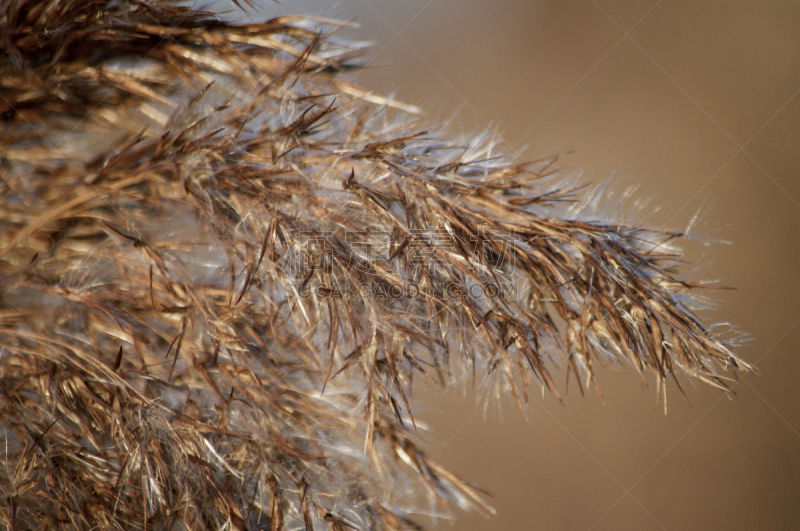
(696, 106)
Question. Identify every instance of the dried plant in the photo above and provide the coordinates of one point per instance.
(222, 267)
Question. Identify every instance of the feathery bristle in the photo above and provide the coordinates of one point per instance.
(222, 268)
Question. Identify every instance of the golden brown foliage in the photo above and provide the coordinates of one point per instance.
(221, 267)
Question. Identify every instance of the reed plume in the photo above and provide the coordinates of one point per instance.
(222, 268)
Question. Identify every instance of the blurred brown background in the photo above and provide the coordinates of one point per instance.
(697, 105)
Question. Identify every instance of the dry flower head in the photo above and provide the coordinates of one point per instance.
(222, 267)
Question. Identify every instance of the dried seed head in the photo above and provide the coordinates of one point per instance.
(222, 267)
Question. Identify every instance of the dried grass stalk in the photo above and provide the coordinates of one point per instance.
(221, 267)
